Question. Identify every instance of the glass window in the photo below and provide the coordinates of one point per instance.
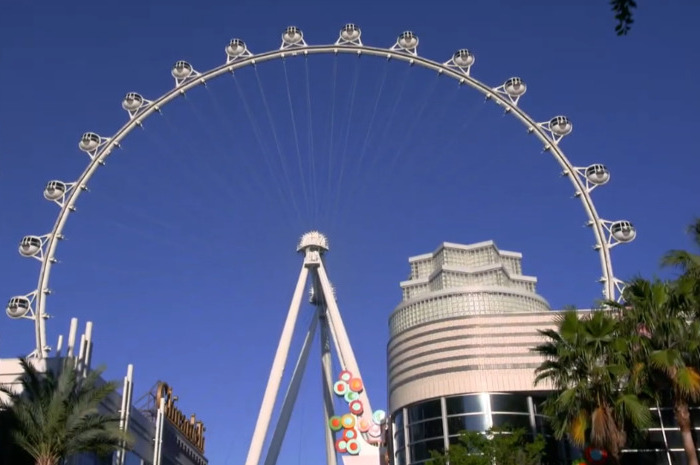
(645, 458)
(426, 430)
(542, 425)
(421, 450)
(668, 417)
(655, 440)
(508, 403)
(674, 438)
(456, 425)
(398, 420)
(512, 421)
(679, 458)
(424, 411)
(400, 440)
(464, 404)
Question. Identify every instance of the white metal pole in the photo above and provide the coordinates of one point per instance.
(327, 381)
(88, 347)
(273, 383)
(158, 440)
(59, 346)
(81, 354)
(71, 336)
(291, 395)
(125, 410)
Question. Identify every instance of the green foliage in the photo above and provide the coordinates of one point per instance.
(661, 317)
(623, 15)
(57, 415)
(606, 368)
(10, 453)
(499, 446)
(689, 265)
(596, 390)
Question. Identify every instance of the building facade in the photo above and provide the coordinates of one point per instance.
(459, 351)
(459, 358)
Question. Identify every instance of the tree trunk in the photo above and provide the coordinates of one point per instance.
(680, 409)
(46, 460)
(614, 456)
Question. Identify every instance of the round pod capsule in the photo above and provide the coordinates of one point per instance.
(341, 446)
(89, 142)
(345, 375)
(375, 431)
(348, 421)
(132, 101)
(407, 40)
(515, 87)
(623, 231)
(351, 396)
(30, 246)
(355, 385)
(334, 423)
(235, 48)
(356, 407)
(350, 32)
(340, 388)
(561, 126)
(18, 307)
(597, 174)
(463, 58)
(353, 447)
(181, 70)
(55, 190)
(292, 35)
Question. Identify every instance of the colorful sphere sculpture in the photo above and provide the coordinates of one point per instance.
(351, 425)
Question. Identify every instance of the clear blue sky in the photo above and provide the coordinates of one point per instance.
(183, 252)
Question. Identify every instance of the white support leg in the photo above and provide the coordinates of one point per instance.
(291, 395)
(327, 379)
(347, 355)
(276, 372)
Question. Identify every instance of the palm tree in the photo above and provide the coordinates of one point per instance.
(670, 347)
(688, 263)
(595, 395)
(56, 415)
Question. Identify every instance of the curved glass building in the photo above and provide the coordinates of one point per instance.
(459, 351)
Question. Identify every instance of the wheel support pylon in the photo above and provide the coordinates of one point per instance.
(313, 245)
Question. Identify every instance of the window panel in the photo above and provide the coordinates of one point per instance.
(514, 403)
(512, 421)
(426, 430)
(421, 450)
(464, 404)
(456, 425)
(398, 420)
(424, 411)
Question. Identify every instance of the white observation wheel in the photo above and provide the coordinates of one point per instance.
(237, 55)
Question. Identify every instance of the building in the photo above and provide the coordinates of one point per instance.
(161, 433)
(459, 358)
(459, 350)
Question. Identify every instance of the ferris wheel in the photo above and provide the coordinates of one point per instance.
(508, 95)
